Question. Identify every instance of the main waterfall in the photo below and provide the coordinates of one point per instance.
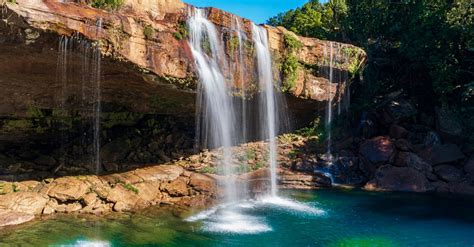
(215, 109)
(222, 121)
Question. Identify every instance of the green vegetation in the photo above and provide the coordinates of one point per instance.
(233, 44)
(424, 47)
(290, 63)
(209, 170)
(107, 4)
(315, 130)
(182, 31)
(149, 32)
(128, 186)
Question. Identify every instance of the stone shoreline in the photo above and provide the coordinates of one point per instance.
(128, 191)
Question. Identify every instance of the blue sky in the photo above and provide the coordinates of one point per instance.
(256, 10)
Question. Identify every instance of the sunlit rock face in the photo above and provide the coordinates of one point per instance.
(146, 69)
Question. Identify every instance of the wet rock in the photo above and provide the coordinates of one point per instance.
(469, 166)
(407, 159)
(404, 145)
(24, 202)
(448, 173)
(431, 139)
(116, 150)
(90, 199)
(377, 150)
(160, 173)
(392, 178)
(11, 218)
(123, 198)
(177, 187)
(447, 124)
(73, 207)
(398, 110)
(67, 189)
(149, 192)
(440, 154)
(398, 132)
(203, 183)
(45, 160)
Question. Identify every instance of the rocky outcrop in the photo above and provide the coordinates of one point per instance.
(165, 184)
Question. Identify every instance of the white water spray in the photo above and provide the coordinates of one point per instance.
(216, 101)
(265, 75)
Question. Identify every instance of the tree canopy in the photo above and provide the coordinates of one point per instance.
(425, 47)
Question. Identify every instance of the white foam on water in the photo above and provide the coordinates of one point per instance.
(227, 218)
(291, 204)
(88, 243)
(229, 221)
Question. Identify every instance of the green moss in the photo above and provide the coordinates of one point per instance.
(149, 32)
(291, 42)
(290, 63)
(289, 69)
(35, 113)
(208, 170)
(233, 44)
(11, 1)
(111, 119)
(107, 4)
(131, 188)
(17, 124)
(181, 31)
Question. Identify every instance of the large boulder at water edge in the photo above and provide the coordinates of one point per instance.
(392, 178)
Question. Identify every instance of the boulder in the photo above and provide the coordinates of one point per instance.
(124, 199)
(398, 132)
(24, 202)
(67, 189)
(448, 125)
(149, 192)
(377, 150)
(160, 173)
(448, 173)
(404, 145)
(392, 178)
(177, 187)
(440, 154)
(407, 159)
(469, 166)
(398, 110)
(202, 183)
(116, 150)
(431, 139)
(11, 218)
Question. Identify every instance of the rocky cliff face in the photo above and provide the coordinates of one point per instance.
(49, 74)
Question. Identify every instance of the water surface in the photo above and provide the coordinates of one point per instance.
(310, 218)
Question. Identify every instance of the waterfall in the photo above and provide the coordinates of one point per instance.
(328, 55)
(240, 67)
(268, 99)
(62, 69)
(215, 101)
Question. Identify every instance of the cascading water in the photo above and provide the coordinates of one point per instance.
(330, 96)
(268, 102)
(216, 109)
(217, 115)
(240, 67)
(89, 75)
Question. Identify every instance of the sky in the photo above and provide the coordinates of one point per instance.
(259, 11)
